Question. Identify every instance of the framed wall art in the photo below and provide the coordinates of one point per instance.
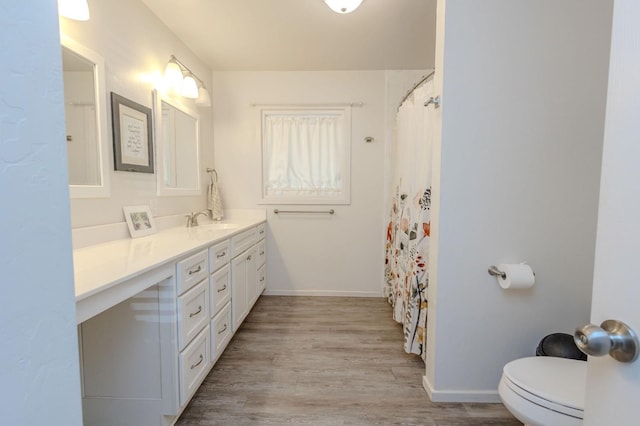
(139, 220)
(132, 135)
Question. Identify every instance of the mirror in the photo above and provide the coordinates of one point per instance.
(86, 122)
(177, 145)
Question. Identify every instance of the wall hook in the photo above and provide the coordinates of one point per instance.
(435, 101)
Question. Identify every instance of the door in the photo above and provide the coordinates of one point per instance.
(613, 388)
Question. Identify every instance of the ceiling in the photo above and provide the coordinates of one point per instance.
(295, 35)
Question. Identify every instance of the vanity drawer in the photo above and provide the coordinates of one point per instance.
(261, 252)
(193, 313)
(220, 289)
(220, 331)
(262, 279)
(194, 365)
(219, 255)
(191, 271)
(261, 231)
(242, 241)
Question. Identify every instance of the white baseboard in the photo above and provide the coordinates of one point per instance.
(332, 293)
(489, 396)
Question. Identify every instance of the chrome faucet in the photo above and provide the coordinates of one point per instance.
(192, 218)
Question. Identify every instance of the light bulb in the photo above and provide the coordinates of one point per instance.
(189, 88)
(173, 75)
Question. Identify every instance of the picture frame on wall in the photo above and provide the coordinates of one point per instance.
(139, 220)
(132, 135)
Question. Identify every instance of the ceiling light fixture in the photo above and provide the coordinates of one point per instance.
(74, 9)
(343, 6)
(180, 78)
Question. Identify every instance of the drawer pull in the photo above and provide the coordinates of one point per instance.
(219, 255)
(198, 363)
(261, 231)
(261, 253)
(195, 271)
(220, 290)
(261, 279)
(196, 312)
(223, 330)
(249, 257)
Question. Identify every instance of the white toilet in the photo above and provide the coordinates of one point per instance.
(544, 391)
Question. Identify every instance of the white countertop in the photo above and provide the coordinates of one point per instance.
(100, 268)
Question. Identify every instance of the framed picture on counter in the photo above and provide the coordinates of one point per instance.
(139, 220)
(132, 135)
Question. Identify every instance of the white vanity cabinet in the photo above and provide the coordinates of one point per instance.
(192, 307)
(245, 272)
(152, 323)
(220, 298)
(262, 259)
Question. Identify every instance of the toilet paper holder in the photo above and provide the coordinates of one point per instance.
(495, 272)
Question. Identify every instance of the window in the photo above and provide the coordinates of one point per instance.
(306, 155)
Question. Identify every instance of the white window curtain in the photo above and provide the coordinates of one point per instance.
(306, 156)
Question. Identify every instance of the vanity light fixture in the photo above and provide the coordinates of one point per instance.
(74, 9)
(203, 96)
(343, 6)
(173, 73)
(189, 87)
(179, 77)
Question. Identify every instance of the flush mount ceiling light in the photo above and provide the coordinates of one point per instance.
(343, 6)
(180, 78)
(74, 9)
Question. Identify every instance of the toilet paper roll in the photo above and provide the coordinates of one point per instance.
(517, 276)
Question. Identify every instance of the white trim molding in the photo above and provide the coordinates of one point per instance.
(483, 396)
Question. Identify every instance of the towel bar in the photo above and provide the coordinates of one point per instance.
(330, 211)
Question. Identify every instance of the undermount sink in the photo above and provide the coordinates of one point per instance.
(220, 226)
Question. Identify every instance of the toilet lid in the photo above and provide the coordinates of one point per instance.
(558, 383)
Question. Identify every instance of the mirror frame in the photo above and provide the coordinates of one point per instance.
(158, 99)
(102, 133)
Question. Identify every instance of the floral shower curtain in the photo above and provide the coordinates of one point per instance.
(408, 231)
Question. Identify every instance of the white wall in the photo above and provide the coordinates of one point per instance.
(523, 87)
(136, 47)
(338, 255)
(39, 368)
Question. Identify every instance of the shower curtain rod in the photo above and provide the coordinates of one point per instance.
(418, 84)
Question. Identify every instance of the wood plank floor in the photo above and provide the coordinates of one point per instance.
(324, 361)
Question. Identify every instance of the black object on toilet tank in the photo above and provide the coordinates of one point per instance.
(560, 345)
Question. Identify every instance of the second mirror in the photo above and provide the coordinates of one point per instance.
(177, 144)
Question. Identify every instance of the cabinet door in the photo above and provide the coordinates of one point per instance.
(220, 289)
(262, 277)
(252, 276)
(239, 304)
